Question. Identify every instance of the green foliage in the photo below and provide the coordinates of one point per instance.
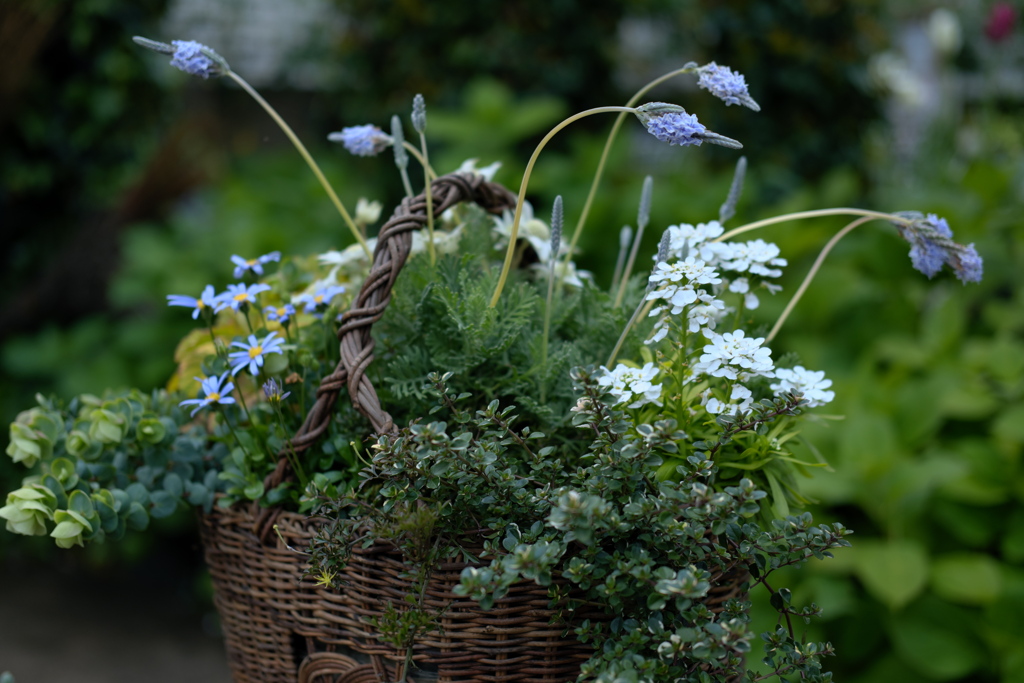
(647, 552)
(103, 466)
(439, 320)
(927, 463)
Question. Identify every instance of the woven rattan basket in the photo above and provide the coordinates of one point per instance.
(279, 627)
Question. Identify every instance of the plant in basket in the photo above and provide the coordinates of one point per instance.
(533, 476)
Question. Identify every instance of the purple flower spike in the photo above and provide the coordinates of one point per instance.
(967, 264)
(189, 56)
(676, 129)
(670, 123)
(932, 245)
(726, 85)
(363, 141)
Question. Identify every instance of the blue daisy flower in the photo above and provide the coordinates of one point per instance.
(206, 302)
(214, 391)
(255, 265)
(253, 353)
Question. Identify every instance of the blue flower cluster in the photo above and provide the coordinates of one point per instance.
(726, 85)
(932, 246)
(190, 58)
(676, 128)
(363, 141)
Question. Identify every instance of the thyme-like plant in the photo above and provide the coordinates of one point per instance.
(597, 528)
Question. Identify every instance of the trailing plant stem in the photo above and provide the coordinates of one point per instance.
(607, 149)
(420, 158)
(811, 273)
(817, 213)
(308, 158)
(514, 233)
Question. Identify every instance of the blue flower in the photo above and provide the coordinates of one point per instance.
(363, 141)
(253, 353)
(676, 128)
(726, 85)
(214, 391)
(282, 314)
(966, 263)
(321, 298)
(255, 265)
(272, 390)
(932, 245)
(927, 257)
(239, 295)
(190, 58)
(670, 123)
(939, 225)
(206, 302)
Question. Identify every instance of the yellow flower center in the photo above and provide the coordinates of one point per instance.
(319, 298)
(255, 351)
(199, 304)
(241, 297)
(281, 312)
(252, 261)
(215, 396)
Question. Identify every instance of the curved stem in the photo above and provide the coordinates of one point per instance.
(641, 309)
(419, 157)
(817, 213)
(607, 149)
(307, 157)
(810, 275)
(514, 234)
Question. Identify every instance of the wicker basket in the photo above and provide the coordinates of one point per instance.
(280, 627)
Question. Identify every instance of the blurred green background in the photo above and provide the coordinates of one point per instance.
(124, 180)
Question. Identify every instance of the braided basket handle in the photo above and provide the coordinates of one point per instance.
(393, 245)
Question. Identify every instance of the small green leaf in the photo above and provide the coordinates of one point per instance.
(137, 517)
(162, 504)
(80, 502)
(174, 485)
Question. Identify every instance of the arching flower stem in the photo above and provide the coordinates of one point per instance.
(817, 213)
(514, 233)
(812, 272)
(307, 157)
(689, 68)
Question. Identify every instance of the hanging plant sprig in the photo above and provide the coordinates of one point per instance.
(668, 122)
(369, 140)
(721, 81)
(199, 60)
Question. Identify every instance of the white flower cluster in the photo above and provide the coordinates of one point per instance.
(678, 286)
(733, 355)
(754, 258)
(632, 386)
(811, 384)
